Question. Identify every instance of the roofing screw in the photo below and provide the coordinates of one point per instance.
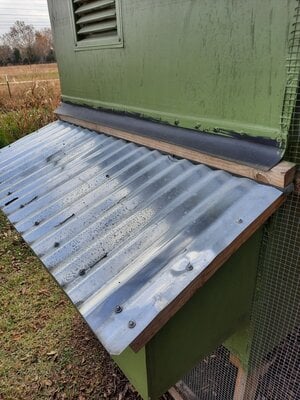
(176, 122)
(118, 309)
(131, 324)
(189, 267)
(239, 221)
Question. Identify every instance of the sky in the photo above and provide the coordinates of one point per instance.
(33, 12)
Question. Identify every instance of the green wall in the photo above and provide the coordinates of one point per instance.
(214, 64)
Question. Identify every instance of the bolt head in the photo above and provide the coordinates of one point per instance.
(239, 221)
(118, 309)
(131, 324)
(189, 267)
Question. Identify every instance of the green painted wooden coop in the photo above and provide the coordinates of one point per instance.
(146, 199)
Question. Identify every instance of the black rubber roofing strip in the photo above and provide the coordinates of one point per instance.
(257, 152)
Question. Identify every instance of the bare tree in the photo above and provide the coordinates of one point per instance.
(21, 37)
(26, 45)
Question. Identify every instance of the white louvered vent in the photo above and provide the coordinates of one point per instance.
(96, 19)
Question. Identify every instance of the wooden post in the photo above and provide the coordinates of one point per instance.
(241, 379)
(247, 380)
(8, 87)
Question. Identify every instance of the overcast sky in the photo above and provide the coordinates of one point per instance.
(33, 12)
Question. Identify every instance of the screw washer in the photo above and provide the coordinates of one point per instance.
(131, 324)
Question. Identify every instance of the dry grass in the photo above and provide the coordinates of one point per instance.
(30, 105)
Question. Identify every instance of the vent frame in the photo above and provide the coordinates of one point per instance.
(97, 42)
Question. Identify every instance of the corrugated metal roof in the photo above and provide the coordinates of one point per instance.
(121, 227)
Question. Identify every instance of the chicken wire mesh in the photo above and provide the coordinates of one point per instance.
(276, 313)
(274, 357)
(213, 378)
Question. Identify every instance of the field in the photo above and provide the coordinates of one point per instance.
(46, 350)
(19, 73)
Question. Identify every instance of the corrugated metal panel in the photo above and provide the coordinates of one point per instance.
(119, 225)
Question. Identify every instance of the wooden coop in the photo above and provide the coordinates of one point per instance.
(147, 199)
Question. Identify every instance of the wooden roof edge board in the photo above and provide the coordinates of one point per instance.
(280, 176)
(201, 279)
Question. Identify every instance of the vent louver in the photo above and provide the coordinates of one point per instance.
(96, 19)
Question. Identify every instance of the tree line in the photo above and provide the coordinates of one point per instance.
(23, 44)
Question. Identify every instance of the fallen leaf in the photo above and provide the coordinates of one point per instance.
(17, 337)
(47, 382)
(52, 353)
(44, 292)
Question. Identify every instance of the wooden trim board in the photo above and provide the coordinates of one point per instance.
(280, 176)
(175, 395)
(185, 391)
(181, 392)
(247, 383)
(201, 279)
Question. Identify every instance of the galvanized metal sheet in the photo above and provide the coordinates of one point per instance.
(118, 225)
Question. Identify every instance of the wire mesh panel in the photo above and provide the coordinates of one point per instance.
(212, 379)
(281, 380)
(276, 313)
(274, 361)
